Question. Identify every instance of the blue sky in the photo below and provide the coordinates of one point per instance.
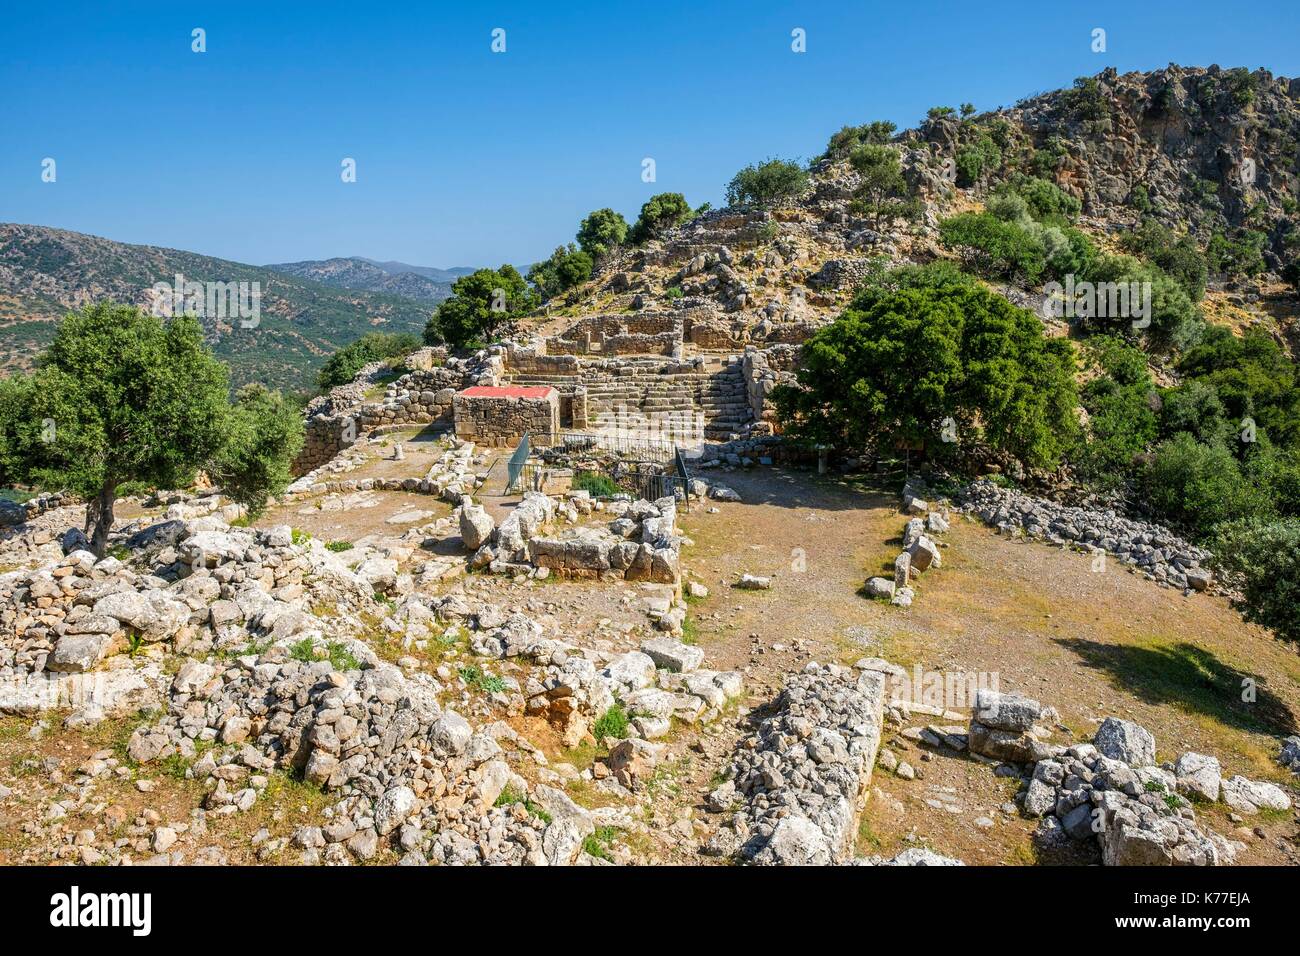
(466, 157)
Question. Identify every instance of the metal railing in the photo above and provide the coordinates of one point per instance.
(622, 446)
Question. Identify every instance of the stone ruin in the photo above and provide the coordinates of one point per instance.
(504, 414)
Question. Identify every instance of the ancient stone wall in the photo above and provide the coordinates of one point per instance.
(502, 419)
(763, 370)
(423, 396)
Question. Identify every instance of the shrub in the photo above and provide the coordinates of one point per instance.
(976, 159)
(1195, 486)
(1265, 557)
(1086, 99)
(1174, 317)
(1179, 256)
(337, 546)
(659, 214)
(612, 723)
(601, 231)
(264, 434)
(1121, 423)
(595, 483)
(567, 267)
(1239, 256)
(994, 246)
(1253, 378)
(849, 137)
(767, 184)
(924, 346)
(343, 366)
(1046, 201)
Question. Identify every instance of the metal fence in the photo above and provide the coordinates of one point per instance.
(621, 446)
(642, 468)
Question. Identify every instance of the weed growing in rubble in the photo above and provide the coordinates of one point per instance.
(612, 723)
(599, 842)
(336, 652)
(475, 677)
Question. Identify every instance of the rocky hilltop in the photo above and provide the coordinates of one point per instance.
(1201, 150)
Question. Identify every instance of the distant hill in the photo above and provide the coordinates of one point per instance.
(45, 272)
(429, 272)
(394, 278)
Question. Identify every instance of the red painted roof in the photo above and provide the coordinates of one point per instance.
(508, 391)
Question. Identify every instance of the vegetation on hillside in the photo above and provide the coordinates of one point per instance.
(768, 184)
(343, 366)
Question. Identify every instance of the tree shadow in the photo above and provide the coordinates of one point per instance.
(1189, 677)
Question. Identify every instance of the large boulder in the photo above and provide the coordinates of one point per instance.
(673, 655)
(1198, 775)
(1252, 796)
(796, 841)
(1126, 741)
(924, 554)
(476, 526)
(1006, 711)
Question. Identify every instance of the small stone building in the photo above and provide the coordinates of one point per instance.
(501, 414)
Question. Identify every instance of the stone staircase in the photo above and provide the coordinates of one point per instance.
(685, 407)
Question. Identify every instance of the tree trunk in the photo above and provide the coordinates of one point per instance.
(99, 519)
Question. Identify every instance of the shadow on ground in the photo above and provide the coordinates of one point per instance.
(1191, 678)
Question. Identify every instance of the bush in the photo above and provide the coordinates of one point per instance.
(1174, 317)
(1239, 256)
(343, 366)
(1253, 378)
(1195, 486)
(602, 231)
(1194, 407)
(993, 246)
(1177, 255)
(263, 436)
(612, 723)
(929, 344)
(1121, 423)
(594, 483)
(659, 214)
(768, 184)
(1046, 201)
(1086, 99)
(482, 305)
(567, 267)
(1265, 558)
(976, 159)
(850, 137)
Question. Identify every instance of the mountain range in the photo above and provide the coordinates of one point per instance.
(307, 309)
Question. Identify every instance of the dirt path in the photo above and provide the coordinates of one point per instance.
(1034, 618)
